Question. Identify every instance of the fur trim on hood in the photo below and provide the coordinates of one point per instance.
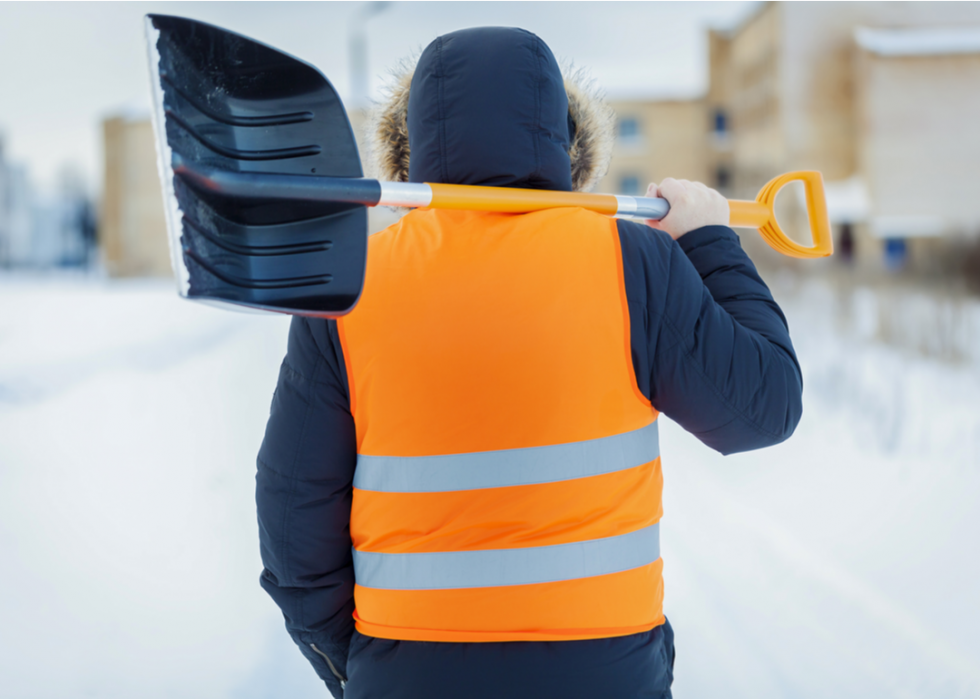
(590, 151)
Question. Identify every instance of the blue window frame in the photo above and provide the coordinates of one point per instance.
(721, 121)
(629, 129)
(630, 185)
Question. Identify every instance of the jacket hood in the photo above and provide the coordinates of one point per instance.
(490, 106)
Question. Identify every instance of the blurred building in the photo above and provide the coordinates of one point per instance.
(15, 213)
(656, 139)
(132, 225)
(132, 228)
(62, 231)
(918, 139)
(43, 230)
(880, 97)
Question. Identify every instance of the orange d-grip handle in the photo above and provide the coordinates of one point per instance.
(761, 214)
(742, 214)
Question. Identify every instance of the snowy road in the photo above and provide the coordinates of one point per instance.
(841, 564)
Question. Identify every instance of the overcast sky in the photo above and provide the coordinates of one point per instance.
(66, 66)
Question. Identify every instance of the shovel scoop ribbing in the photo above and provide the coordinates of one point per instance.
(228, 107)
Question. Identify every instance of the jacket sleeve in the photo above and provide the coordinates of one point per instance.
(711, 348)
(303, 495)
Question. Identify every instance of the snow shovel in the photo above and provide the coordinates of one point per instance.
(265, 199)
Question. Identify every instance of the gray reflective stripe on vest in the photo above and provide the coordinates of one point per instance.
(506, 467)
(499, 567)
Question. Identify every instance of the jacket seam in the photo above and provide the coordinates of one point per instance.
(537, 112)
(285, 476)
(341, 361)
(304, 589)
(750, 296)
(765, 373)
(686, 353)
(716, 429)
(663, 313)
(722, 398)
(301, 608)
(718, 236)
(620, 260)
(296, 373)
(443, 155)
(284, 541)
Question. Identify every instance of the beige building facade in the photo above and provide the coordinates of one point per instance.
(656, 139)
(918, 139)
(882, 98)
(132, 226)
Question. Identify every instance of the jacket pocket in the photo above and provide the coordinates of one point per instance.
(333, 668)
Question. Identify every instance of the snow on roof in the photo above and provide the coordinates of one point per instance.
(909, 226)
(919, 41)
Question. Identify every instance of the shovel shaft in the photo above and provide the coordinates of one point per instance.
(747, 214)
(364, 192)
(454, 196)
(515, 201)
(411, 195)
(276, 187)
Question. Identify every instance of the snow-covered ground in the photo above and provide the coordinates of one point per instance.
(843, 563)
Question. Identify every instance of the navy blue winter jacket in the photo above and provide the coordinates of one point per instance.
(710, 347)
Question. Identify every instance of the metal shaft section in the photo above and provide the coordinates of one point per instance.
(410, 195)
(642, 207)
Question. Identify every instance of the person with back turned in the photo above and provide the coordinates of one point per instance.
(459, 491)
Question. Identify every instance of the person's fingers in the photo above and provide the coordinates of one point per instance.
(693, 205)
(653, 191)
(671, 189)
(653, 223)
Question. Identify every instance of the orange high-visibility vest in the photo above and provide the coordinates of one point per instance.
(508, 482)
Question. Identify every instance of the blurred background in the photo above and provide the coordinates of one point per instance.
(841, 563)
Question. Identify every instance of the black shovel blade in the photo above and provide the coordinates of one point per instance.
(225, 102)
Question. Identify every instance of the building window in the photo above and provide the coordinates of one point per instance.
(896, 254)
(846, 243)
(629, 129)
(629, 185)
(721, 122)
(723, 177)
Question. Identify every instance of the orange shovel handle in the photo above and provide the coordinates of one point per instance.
(743, 214)
(761, 214)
